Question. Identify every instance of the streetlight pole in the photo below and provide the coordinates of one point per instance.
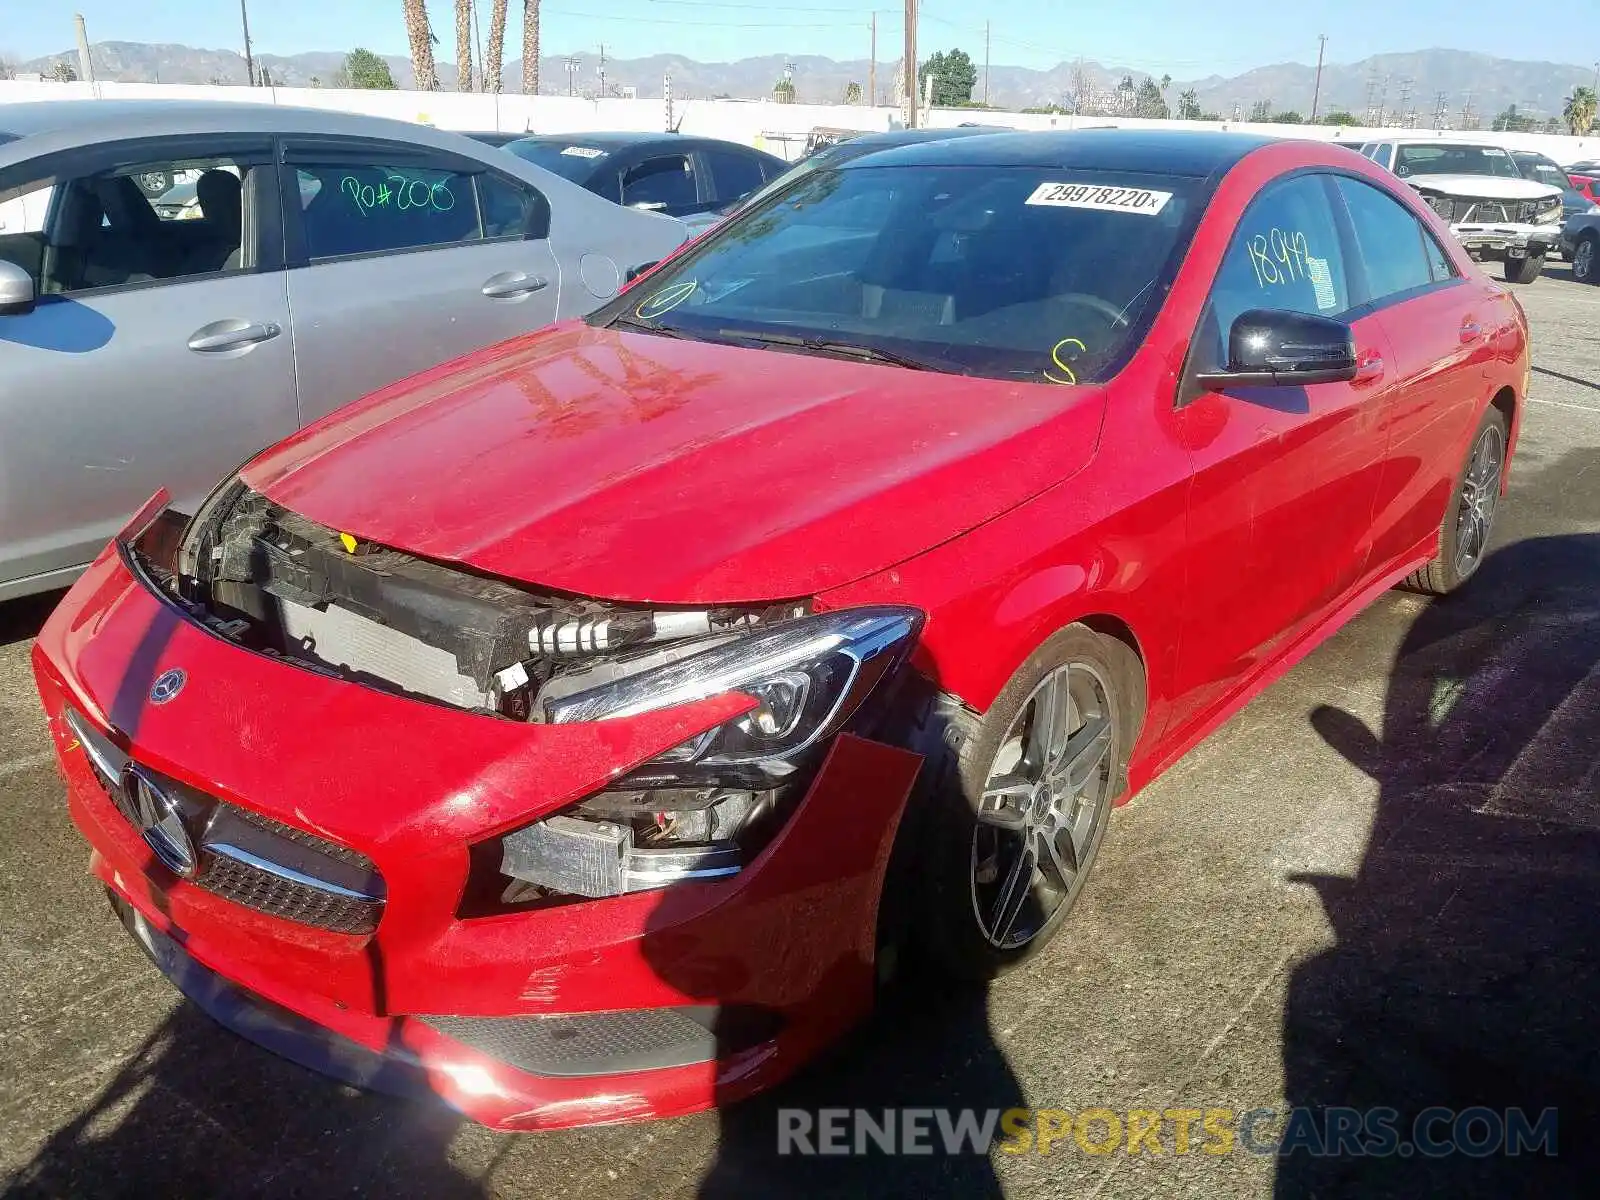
(1316, 88)
(912, 99)
(249, 59)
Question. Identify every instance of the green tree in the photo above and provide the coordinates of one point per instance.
(1149, 102)
(1210, 116)
(1511, 121)
(954, 77)
(852, 92)
(1288, 118)
(1188, 105)
(1579, 111)
(783, 91)
(1337, 117)
(61, 71)
(366, 70)
(1261, 110)
(1127, 95)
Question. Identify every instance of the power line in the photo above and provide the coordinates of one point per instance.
(589, 16)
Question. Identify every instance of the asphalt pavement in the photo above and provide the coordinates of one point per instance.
(1375, 887)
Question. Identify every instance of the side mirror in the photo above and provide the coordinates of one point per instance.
(1269, 347)
(635, 272)
(16, 290)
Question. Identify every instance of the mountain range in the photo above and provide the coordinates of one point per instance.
(1416, 81)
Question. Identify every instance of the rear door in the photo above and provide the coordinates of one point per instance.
(153, 358)
(401, 257)
(1440, 336)
(1285, 477)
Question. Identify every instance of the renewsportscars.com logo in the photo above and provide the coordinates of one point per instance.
(1316, 1132)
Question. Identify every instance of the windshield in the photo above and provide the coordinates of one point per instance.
(570, 160)
(1029, 273)
(1454, 160)
(1542, 170)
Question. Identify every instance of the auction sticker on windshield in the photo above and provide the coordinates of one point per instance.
(1092, 195)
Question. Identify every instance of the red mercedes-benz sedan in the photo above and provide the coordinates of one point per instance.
(579, 730)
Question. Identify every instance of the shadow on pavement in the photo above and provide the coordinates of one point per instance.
(196, 1111)
(1467, 969)
(22, 619)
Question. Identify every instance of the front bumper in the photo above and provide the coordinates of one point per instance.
(412, 786)
(1510, 240)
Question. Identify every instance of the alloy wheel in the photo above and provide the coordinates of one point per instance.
(1480, 496)
(1046, 792)
(1583, 260)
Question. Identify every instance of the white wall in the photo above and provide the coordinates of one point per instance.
(779, 128)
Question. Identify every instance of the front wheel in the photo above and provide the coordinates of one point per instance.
(1584, 267)
(1524, 270)
(1015, 827)
(1469, 520)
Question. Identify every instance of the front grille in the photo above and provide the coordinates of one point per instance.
(265, 892)
(1485, 212)
(613, 1042)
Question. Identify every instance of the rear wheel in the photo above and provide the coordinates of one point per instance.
(1585, 268)
(1469, 520)
(1017, 824)
(1524, 270)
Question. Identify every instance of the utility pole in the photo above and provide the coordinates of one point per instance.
(85, 63)
(1441, 111)
(249, 59)
(986, 64)
(1467, 119)
(872, 70)
(1316, 88)
(602, 70)
(572, 64)
(911, 64)
(1405, 103)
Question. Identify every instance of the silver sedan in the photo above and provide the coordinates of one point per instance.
(331, 254)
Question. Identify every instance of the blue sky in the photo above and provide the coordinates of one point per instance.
(1186, 38)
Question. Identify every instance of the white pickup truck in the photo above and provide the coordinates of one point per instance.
(1494, 211)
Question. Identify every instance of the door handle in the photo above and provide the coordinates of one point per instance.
(231, 335)
(1471, 331)
(1369, 369)
(509, 284)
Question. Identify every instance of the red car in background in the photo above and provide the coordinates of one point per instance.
(577, 730)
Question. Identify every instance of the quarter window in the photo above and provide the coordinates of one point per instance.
(1391, 241)
(1285, 255)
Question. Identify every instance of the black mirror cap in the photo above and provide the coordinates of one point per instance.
(635, 272)
(1270, 347)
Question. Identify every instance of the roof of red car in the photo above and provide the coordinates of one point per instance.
(1158, 151)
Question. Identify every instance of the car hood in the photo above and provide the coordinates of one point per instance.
(1484, 187)
(637, 467)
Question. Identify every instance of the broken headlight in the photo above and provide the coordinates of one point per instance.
(701, 809)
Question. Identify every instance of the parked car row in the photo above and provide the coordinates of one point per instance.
(583, 730)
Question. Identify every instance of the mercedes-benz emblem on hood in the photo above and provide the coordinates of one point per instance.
(167, 685)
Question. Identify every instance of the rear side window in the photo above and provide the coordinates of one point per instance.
(362, 208)
(665, 183)
(733, 175)
(1285, 255)
(1391, 240)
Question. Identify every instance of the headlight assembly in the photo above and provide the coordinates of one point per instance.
(703, 808)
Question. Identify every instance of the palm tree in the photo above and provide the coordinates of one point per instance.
(421, 39)
(1579, 110)
(530, 47)
(497, 46)
(463, 45)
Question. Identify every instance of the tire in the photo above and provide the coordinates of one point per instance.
(1524, 270)
(154, 183)
(1586, 259)
(1452, 567)
(969, 864)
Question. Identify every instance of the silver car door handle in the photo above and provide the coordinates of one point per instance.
(209, 338)
(512, 283)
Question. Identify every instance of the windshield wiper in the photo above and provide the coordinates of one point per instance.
(628, 320)
(826, 346)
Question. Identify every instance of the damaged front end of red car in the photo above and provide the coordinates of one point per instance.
(555, 859)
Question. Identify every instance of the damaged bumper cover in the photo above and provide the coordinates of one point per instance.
(728, 980)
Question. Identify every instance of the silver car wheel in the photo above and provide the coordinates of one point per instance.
(1047, 790)
(1480, 496)
(1583, 260)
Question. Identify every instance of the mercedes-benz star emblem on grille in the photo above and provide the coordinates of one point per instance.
(167, 685)
(160, 822)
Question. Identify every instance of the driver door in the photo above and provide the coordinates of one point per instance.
(1285, 478)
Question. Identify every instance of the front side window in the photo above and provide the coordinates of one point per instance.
(1455, 160)
(1542, 170)
(733, 175)
(1285, 254)
(1391, 241)
(137, 223)
(1027, 273)
(664, 183)
(358, 207)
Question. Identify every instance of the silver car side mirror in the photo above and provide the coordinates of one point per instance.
(16, 290)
